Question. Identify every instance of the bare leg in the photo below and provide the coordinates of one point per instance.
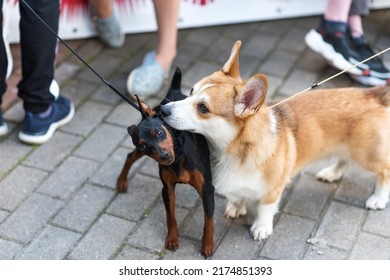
(102, 8)
(337, 10)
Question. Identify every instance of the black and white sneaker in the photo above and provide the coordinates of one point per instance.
(336, 49)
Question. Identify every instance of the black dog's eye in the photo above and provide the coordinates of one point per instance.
(203, 108)
(159, 132)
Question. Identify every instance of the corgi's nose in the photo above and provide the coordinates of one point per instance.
(165, 111)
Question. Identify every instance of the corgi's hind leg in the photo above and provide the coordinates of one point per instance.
(334, 172)
(380, 197)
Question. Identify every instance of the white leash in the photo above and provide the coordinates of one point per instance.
(328, 79)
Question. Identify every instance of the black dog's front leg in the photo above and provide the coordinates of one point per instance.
(169, 198)
(208, 229)
(121, 183)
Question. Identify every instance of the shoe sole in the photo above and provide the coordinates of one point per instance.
(42, 139)
(128, 85)
(369, 81)
(3, 129)
(315, 41)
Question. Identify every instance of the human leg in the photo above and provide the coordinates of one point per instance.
(3, 73)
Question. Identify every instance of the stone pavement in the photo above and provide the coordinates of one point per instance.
(58, 200)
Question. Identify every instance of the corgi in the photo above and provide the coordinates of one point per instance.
(257, 148)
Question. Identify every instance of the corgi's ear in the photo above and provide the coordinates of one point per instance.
(145, 109)
(250, 95)
(232, 66)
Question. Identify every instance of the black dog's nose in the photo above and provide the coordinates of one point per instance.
(165, 112)
(164, 154)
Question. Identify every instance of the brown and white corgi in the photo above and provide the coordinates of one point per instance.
(256, 148)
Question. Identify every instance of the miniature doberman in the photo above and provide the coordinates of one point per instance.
(183, 157)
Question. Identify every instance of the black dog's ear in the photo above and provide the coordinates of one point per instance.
(176, 80)
(145, 109)
(131, 129)
(174, 92)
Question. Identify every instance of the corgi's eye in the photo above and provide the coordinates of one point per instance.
(203, 108)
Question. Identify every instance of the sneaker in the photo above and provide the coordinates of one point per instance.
(370, 80)
(3, 126)
(109, 31)
(337, 50)
(377, 68)
(39, 130)
(147, 79)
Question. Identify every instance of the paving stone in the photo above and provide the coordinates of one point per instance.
(194, 227)
(371, 247)
(84, 208)
(294, 40)
(52, 244)
(378, 222)
(129, 253)
(103, 239)
(340, 225)
(309, 197)
(273, 86)
(88, 50)
(325, 253)
(101, 142)
(87, 117)
(152, 231)
(29, 217)
(297, 81)
(198, 71)
(9, 250)
(3, 215)
(188, 250)
(186, 196)
(150, 168)
(124, 115)
(279, 63)
(68, 177)
(66, 71)
(288, 240)
(187, 51)
(78, 91)
(105, 95)
(356, 187)
(11, 152)
(18, 185)
(142, 192)
(259, 45)
(219, 51)
(243, 247)
(48, 156)
(15, 113)
(108, 173)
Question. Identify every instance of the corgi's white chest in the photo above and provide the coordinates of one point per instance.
(234, 180)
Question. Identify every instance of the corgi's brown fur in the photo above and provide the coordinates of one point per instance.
(257, 148)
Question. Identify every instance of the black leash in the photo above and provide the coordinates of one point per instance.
(82, 60)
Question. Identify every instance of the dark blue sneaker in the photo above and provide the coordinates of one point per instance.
(3, 126)
(38, 130)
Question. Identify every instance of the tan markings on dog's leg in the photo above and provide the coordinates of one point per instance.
(380, 197)
(121, 183)
(235, 209)
(208, 236)
(334, 172)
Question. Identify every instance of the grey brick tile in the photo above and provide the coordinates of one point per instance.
(101, 142)
(66, 71)
(29, 217)
(11, 152)
(297, 81)
(237, 244)
(108, 173)
(142, 192)
(309, 197)
(194, 227)
(84, 208)
(356, 187)
(198, 71)
(378, 222)
(259, 45)
(152, 231)
(278, 27)
(15, 113)
(340, 225)
(103, 239)
(279, 63)
(105, 95)
(294, 40)
(188, 250)
(186, 196)
(68, 177)
(187, 54)
(124, 115)
(150, 168)
(325, 253)
(87, 117)
(18, 185)
(48, 156)
(9, 250)
(371, 247)
(51, 244)
(3, 215)
(88, 50)
(78, 91)
(219, 51)
(288, 240)
(129, 253)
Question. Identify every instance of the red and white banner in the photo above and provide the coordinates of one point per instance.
(137, 16)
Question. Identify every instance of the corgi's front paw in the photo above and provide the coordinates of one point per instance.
(233, 211)
(261, 230)
(377, 202)
(329, 174)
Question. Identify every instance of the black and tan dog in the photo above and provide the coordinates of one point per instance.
(183, 157)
